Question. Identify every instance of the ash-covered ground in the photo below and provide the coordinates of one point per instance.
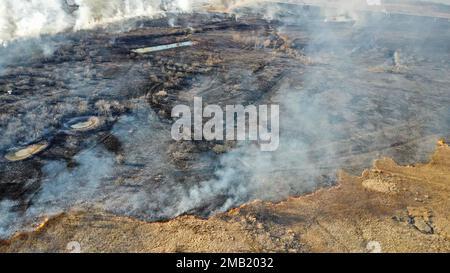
(350, 90)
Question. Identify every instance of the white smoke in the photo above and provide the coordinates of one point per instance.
(31, 18)
(313, 142)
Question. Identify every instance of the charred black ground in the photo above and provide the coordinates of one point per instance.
(349, 92)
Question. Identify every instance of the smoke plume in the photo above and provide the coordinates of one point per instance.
(366, 95)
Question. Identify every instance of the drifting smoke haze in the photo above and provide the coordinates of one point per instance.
(329, 118)
(335, 114)
(32, 18)
(28, 18)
